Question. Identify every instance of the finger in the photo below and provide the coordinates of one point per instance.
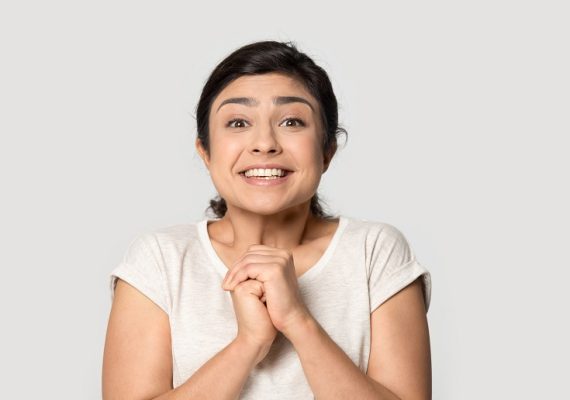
(277, 250)
(251, 286)
(249, 253)
(264, 295)
(241, 260)
(246, 258)
(256, 246)
(239, 276)
(254, 264)
(255, 255)
(252, 259)
(260, 271)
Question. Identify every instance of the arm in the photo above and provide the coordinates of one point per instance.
(231, 366)
(137, 361)
(405, 361)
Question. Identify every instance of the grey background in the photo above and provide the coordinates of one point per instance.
(457, 115)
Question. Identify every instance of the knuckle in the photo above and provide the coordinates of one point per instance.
(243, 286)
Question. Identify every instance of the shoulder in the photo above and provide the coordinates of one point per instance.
(173, 235)
(375, 230)
(166, 242)
(382, 242)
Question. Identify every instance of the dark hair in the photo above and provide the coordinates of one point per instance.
(261, 58)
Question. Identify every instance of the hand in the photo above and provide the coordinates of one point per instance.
(254, 324)
(275, 269)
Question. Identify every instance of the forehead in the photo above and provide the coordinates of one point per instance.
(264, 87)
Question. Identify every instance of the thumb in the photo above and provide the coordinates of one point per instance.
(252, 286)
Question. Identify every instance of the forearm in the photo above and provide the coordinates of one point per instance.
(221, 377)
(329, 371)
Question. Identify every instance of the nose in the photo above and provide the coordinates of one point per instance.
(264, 141)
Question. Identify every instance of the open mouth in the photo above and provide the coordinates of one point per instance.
(266, 180)
(265, 172)
(284, 174)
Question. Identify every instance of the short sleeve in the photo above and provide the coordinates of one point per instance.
(141, 267)
(393, 267)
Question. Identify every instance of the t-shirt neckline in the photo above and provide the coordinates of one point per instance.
(307, 275)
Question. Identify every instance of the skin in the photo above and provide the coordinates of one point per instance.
(267, 239)
(265, 226)
(276, 216)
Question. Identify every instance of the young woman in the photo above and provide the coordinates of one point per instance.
(273, 298)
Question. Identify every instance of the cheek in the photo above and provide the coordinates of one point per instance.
(314, 147)
(308, 155)
(223, 147)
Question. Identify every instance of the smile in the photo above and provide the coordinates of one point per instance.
(272, 180)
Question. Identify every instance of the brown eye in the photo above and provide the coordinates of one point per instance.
(239, 121)
(296, 122)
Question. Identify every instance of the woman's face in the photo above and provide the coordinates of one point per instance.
(258, 120)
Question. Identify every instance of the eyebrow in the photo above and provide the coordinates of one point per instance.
(251, 102)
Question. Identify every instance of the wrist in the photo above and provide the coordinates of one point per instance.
(257, 351)
(303, 325)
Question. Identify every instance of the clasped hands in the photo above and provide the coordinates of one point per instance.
(267, 275)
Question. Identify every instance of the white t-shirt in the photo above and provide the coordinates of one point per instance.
(177, 267)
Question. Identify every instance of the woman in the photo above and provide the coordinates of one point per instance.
(273, 298)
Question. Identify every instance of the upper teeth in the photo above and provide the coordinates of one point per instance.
(265, 172)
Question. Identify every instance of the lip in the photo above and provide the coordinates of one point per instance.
(265, 166)
(256, 181)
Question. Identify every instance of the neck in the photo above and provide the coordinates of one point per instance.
(285, 230)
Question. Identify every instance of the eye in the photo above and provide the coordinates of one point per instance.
(298, 122)
(238, 120)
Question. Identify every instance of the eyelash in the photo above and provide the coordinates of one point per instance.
(300, 122)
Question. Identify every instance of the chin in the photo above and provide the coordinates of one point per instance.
(265, 210)
(271, 209)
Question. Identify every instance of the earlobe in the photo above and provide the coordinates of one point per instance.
(202, 153)
(326, 165)
(328, 158)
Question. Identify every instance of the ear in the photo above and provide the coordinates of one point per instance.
(329, 156)
(202, 152)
